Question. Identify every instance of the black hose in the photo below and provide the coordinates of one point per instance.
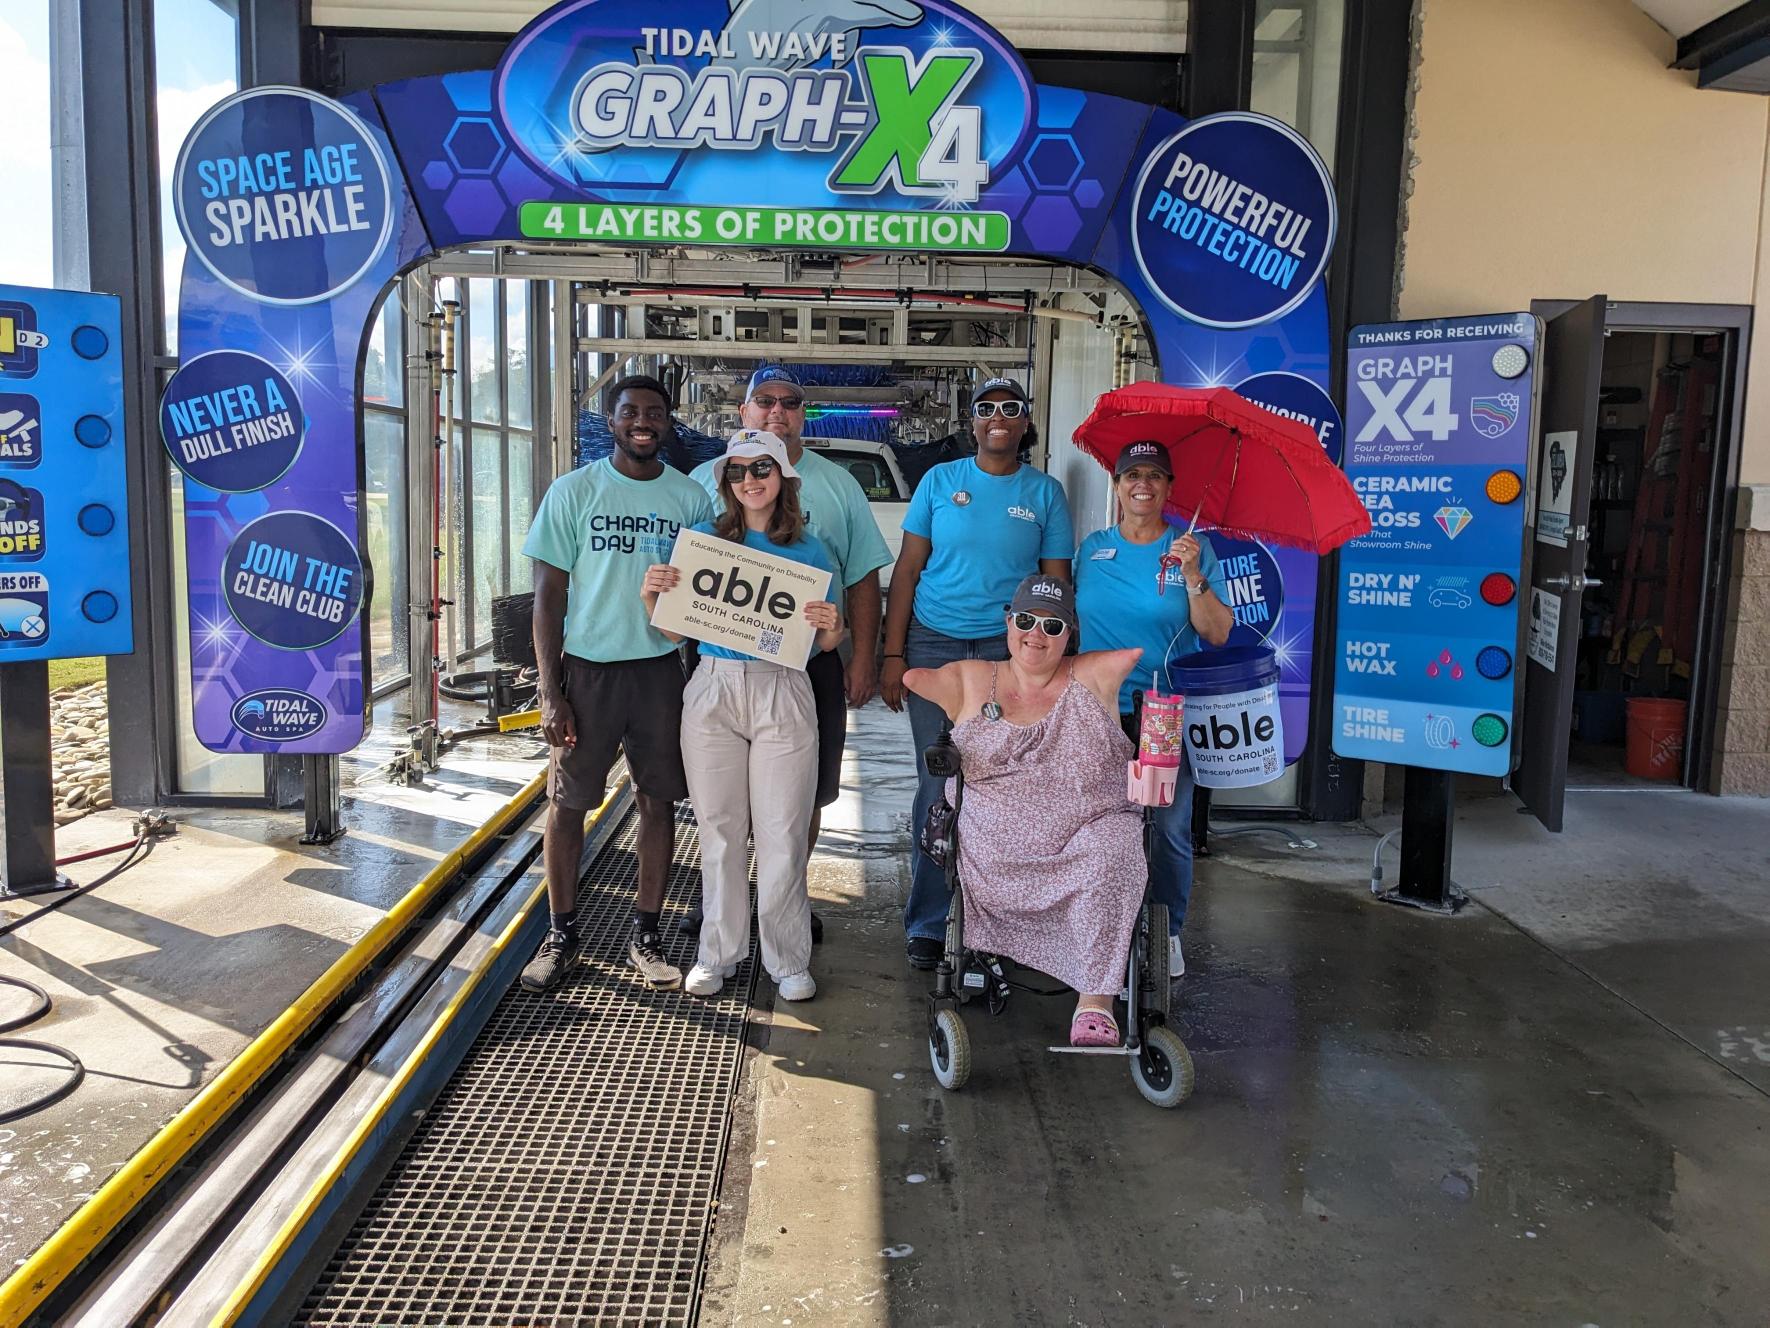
(144, 837)
(61, 1090)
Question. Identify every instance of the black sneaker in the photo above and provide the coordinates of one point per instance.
(645, 953)
(691, 922)
(924, 951)
(550, 960)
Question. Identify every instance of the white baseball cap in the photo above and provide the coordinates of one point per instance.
(747, 443)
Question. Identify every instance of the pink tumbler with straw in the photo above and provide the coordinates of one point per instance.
(1154, 774)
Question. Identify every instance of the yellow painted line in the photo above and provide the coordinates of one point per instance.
(522, 719)
(279, 1244)
(63, 1252)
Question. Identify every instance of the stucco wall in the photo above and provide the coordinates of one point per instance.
(1556, 156)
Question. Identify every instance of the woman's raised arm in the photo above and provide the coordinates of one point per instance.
(943, 686)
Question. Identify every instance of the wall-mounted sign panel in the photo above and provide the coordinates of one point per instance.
(1439, 418)
(64, 497)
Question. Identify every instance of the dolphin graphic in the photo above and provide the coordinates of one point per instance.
(839, 20)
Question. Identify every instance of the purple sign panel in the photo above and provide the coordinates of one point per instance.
(296, 217)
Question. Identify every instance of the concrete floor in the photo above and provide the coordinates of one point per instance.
(1512, 1116)
(162, 975)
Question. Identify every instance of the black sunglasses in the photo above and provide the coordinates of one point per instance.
(761, 468)
(785, 403)
(1049, 626)
(1010, 410)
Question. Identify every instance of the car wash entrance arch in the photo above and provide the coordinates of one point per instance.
(829, 129)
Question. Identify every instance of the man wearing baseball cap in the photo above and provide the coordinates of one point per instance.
(1127, 595)
(837, 513)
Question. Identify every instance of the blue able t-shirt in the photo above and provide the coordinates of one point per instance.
(1119, 609)
(988, 533)
(605, 529)
(836, 512)
(805, 550)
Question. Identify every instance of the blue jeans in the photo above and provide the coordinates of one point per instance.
(925, 648)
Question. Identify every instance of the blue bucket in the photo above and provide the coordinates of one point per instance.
(1234, 732)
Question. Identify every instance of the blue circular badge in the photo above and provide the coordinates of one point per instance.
(293, 580)
(231, 421)
(284, 195)
(1297, 398)
(1250, 581)
(1234, 220)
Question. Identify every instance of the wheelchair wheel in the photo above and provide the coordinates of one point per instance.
(1157, 986)
(949, 1049)
(1163, 1068)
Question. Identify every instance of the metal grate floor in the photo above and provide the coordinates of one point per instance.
(567, 1173)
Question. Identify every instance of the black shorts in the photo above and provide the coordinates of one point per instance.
(633, 706)
(829, 692)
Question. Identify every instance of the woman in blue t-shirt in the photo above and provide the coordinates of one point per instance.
(749, 741)
(1117, 574)
(975, 528)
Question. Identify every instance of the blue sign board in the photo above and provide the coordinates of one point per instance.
(64, 513)
(1439, 415)
(1234, 220)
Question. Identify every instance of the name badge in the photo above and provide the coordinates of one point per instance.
(1103, 555)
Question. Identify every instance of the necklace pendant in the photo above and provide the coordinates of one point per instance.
(991, 710)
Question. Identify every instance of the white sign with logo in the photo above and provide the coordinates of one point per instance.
(1545, 627)
(734, 596)
(1554, 496)
(1235, 740)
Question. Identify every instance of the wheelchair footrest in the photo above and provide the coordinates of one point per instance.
(1092, 1051)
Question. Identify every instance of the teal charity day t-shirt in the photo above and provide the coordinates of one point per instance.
(605, 529)
(805, 550)
(988, 533)
(1118, 607)
(836, 512)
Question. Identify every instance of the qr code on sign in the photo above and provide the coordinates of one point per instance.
(1269, 763)
(769, 642)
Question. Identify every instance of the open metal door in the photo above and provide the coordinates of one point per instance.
(1573, 361)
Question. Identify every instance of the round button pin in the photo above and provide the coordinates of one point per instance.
(92, 431)
(97, 519)
(99, 606)
(89, 342)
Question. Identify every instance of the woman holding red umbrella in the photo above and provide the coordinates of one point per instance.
(1142, 584)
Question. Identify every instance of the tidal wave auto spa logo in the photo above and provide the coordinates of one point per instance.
(918, 99)
(278, 714)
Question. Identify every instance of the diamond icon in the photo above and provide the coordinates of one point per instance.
(1453, 520)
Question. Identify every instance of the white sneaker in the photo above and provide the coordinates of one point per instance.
(1176, 960)
(705, 981)
(796, 987)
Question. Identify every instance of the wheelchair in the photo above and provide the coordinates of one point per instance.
(1160, 1065)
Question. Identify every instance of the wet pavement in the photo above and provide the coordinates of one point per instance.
(161, 976)
(1400, 1119)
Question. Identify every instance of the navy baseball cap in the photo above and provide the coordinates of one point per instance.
(773, 373)
(1044, 594)
(1003, 385)
(1144, 454)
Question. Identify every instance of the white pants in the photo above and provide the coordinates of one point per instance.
(749, 748)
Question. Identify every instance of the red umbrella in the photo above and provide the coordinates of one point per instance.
(1237, 467)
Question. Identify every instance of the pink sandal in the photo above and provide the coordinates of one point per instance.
(1093, 1028)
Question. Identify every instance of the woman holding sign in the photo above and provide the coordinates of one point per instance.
(749, 727)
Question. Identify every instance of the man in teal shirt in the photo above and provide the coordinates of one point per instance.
(609, 680)
(836, 511)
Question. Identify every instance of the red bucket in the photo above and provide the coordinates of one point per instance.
(1655, 738)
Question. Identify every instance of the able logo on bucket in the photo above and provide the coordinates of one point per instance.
(278, 714)
(917, 98)
(1234, 729)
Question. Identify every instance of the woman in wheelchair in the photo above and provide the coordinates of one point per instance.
(1050, 852)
